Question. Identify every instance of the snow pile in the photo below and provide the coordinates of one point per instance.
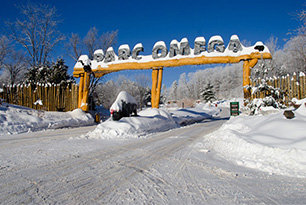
(17, 119)
(148, 121)
(123, 96)
(269, 143)
(191, 115)
(209, 108)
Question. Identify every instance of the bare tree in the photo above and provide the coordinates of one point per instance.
(4, 49)
(36, 31)
(302, 18)
(14, 68)
(91, 42)
(108, 39)
(74, 46)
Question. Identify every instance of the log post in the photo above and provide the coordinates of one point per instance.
(154, 87)
(81, 85)
(157, 76)
(159, 84)
(84, 102)
(247, 65)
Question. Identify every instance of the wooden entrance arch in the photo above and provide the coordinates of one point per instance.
(249, 55)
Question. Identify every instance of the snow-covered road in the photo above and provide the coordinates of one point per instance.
(166, 168)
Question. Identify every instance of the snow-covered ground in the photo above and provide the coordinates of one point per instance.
(195, 164)
(268, 143)
(151, 120)
(17, 119)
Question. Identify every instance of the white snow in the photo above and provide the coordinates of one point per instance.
(184, 40)
(122, 96)
(234, 37)
(213, 38)
(297, 102)
(46, 167)
(38, 102)
(268, 143)
(99, 51)
(174, 41)
(138, 45)
(200, 38)
(110, 49)
(17, 119)
(159, 43)
(150, 121)
(84, 59)
(124, 46)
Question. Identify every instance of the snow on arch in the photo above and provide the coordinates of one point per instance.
(160, 43)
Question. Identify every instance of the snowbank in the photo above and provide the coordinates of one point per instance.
(191, 115)
(123, 96)
(150, 121)
(17, 119)
(269, 143)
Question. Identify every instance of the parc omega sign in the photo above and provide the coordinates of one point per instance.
(181, 48)
(177, 54)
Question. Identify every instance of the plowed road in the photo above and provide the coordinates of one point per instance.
(166, 168)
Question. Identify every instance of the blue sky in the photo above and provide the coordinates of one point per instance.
(147, 22)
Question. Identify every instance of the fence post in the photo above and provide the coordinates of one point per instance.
(302, 84)
(294, 91)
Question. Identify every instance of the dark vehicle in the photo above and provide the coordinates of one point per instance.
(124, 106)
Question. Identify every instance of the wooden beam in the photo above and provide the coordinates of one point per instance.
(115, 67)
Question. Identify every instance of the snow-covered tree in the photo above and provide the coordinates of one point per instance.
(207, 93)
(142, 82)
(55, 73)
(172, 95)
(164, 94)
(58, 73)
(295, 50)
(182, 87)
(108, 91)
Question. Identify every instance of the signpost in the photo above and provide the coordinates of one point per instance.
(234, 108)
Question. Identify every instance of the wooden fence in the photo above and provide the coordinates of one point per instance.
(42, 96)
(293, 86)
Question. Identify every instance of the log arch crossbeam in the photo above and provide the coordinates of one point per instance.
(85, 67)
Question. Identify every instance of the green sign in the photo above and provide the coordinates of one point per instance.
(234, 108)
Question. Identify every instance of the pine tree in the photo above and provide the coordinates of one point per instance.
(37, 74)
(208, 94)
(58, 73)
